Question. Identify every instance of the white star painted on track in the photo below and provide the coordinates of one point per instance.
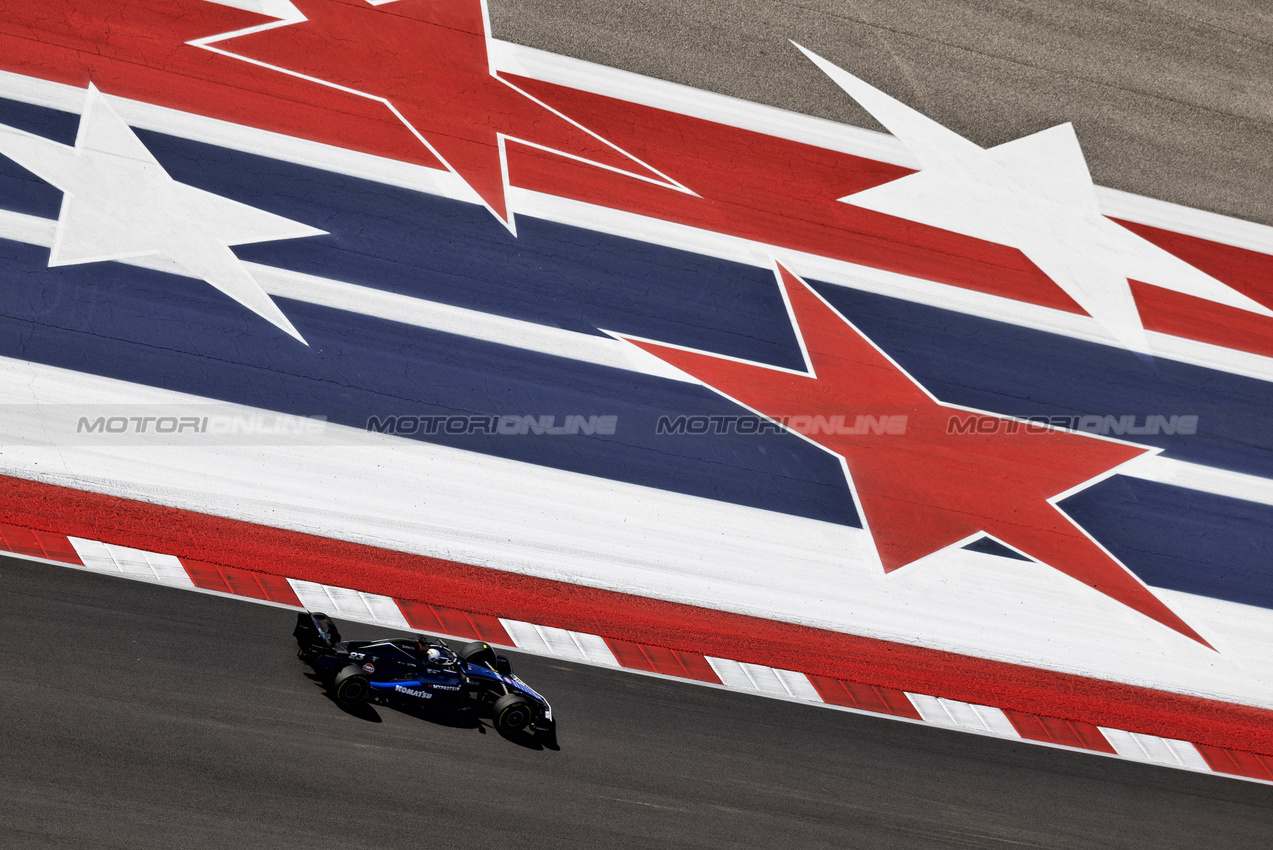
(1035, 194)
(118, 203)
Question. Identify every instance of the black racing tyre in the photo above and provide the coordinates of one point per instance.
(511, 713)
(350, 687)
(479, 652)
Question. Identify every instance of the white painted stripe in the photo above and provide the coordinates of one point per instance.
(931, 709)
(1189, 221)
(1155, 750)
(765, 680)
(132, 563)
(1207, 479)
(529, 336)
(751, 677)
(385, 611)
(797, 685)
(33, 230)
(350, 604)
(995, 721)
(560, 643)
(963, 715)
(281, 9)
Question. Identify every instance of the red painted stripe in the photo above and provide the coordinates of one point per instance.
(658, 659)
(784, 193)
(1196, 318)
(38, 544)
(1237, 762)
(243, 545)
(772, 190)
(865, 697)
(254, 585)
(1249, 272)
(1070, 733)
(451, 621)
(138, 49)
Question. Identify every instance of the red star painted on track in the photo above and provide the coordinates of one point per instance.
(935, 483)
(427, 61)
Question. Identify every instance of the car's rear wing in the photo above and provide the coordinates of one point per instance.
(315, 630)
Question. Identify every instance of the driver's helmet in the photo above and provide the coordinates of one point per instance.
(435, 657)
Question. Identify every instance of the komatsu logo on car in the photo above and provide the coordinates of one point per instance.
(403, 689)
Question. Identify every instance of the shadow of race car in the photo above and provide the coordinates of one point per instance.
(422, 673)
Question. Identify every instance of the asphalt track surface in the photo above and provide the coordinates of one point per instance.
(139, 716)
(1170, 98)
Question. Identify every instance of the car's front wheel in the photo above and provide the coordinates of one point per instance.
(351, 686)
(512, 713)
(479, 652)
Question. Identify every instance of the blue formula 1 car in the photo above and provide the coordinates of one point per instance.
(422, 673)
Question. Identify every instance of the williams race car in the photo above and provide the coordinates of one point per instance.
(422, 672)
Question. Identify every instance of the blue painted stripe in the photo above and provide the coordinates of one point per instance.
(21, 191)
(1182, 539)
(430, 247)
(180, 334)
(1015, 371)
(52, 124)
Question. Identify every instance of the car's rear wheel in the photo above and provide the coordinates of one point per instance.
(512, 713)
(350, 687)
